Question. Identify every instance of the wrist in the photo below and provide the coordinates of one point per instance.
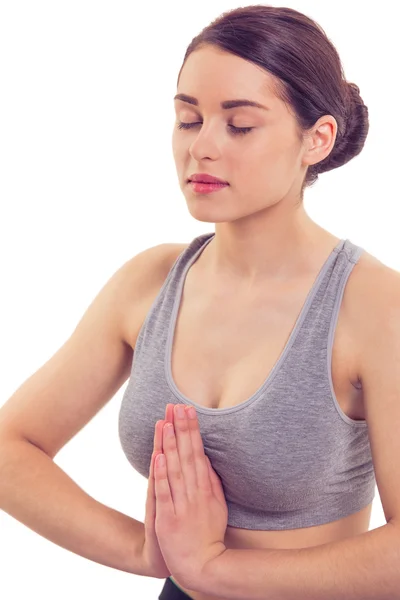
(208, 576)
(137, 563)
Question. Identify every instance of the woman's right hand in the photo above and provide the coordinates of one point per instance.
(152, 557)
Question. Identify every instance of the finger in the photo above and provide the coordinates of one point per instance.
(157, 449)
(165, 509)
(185, 451)
(151, 493)
(169, 413)
(215, 483)
(174, 470)
(158, 436)
(169, 417)
(199, 457)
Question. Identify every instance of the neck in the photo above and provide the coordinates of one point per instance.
(277, 247)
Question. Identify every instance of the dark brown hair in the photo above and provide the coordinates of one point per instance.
(310, 77)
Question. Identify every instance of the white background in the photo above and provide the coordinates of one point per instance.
(88, 180)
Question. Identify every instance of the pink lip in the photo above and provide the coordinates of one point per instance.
(207, 188)
(205, 178)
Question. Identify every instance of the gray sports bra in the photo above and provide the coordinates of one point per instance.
(288, 457)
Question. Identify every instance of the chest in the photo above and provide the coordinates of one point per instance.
(224, 347)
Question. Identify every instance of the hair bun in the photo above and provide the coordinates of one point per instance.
(350, 142)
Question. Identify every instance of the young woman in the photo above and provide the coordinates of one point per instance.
(271, 327)
(261, 325)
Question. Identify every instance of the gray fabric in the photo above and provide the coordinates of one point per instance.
(288, 457)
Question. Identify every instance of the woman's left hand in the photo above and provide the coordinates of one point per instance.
(191, 511)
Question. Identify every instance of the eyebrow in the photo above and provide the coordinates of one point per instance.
(226, 104)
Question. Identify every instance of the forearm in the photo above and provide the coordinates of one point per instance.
(364, 567)
(38, 493)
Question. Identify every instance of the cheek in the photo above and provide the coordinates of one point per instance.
(274, 155)
(178, 149)
(174, 142)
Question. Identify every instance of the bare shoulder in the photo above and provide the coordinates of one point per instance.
(145, 275)
(169, 252)
(373, 284)
(372, 291)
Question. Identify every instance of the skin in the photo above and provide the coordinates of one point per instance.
(261, 227)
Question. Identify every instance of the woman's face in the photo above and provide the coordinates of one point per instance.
(262, 166)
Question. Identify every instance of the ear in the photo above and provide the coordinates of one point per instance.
(319, 140)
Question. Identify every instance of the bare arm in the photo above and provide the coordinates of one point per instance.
(55, 403)
(38, 493)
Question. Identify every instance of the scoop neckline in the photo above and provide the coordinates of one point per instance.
(268, 380)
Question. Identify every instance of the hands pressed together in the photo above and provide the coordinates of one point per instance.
(186, 511)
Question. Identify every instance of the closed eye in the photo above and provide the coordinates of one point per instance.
(234, 130)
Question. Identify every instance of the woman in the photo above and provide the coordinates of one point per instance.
(253, 326)
(268, 327)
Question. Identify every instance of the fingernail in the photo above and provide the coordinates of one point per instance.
(168, 428)
(192, 413)
(160, 462)
(180, 411)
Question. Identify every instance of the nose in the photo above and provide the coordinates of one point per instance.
(205, 145)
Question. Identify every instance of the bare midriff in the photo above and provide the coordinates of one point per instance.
(289, 539)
